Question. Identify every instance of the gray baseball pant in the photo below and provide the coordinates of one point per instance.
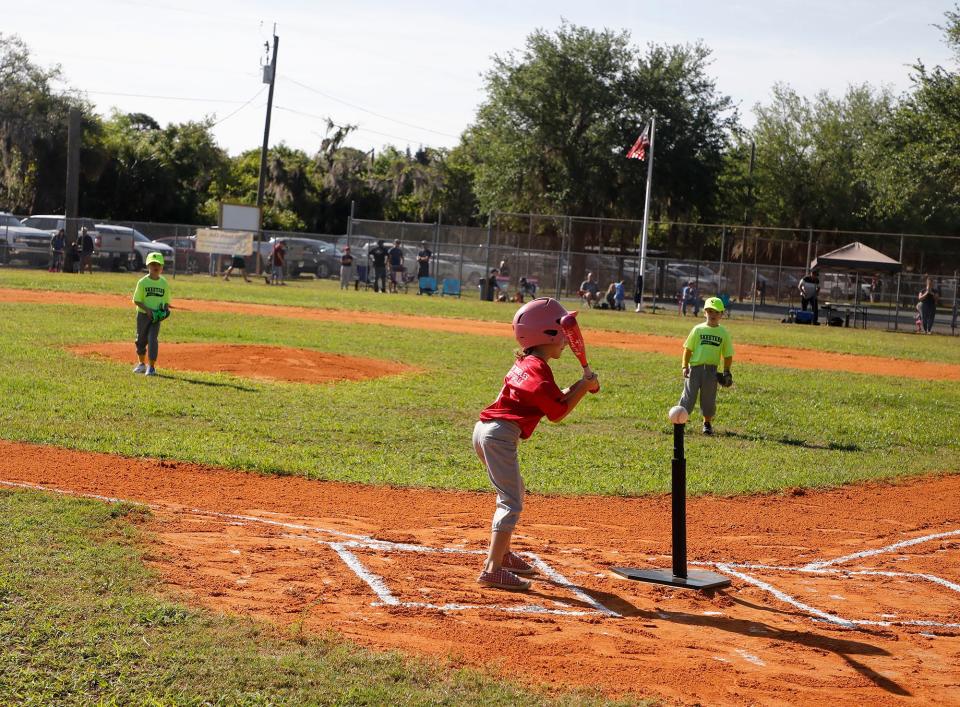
(346, 275)
(496, 444)
(148, 332)
(702, 380)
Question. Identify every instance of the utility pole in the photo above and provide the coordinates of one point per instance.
(74, 138)
(747, 217)
(269, 72)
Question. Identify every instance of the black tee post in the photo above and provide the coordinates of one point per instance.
(678, 575)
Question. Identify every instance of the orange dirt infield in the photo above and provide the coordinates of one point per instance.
(806, 359)
(849, 596)
(266, 362)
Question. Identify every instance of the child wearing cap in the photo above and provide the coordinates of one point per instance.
(346, 268)
(707, 347)
(528, 393)
(152, 299)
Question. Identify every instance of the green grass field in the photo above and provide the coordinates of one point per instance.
(779, 428)
(80, 618)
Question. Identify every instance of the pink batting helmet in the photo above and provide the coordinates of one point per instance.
(538, 322)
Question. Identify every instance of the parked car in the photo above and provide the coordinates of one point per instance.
(306, 255)
(187, 257)
(681, 273)
(19, 242)
(142, 247)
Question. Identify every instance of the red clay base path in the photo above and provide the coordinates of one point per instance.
(849, 596)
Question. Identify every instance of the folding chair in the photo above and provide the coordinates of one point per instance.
(428, 285)
(451, 286)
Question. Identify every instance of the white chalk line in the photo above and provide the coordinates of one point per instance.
(845, 573)
(784, 597)
(378, 585)
(353, 540)
(375, 582)
(749, 657)
(372, 580)
(881, 550)
(826, 568)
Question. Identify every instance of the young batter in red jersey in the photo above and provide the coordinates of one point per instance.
(529, 393)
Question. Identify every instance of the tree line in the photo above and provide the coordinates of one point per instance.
(549, 137)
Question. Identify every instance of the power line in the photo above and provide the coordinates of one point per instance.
(359, 128)
(367, 110)
(164, 98)
(233, 113)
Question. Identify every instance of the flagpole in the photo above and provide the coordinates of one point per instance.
(646, 211)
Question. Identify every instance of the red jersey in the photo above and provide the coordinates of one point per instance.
(529, 392)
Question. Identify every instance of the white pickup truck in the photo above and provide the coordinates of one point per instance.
(110, 250)
(19, 242)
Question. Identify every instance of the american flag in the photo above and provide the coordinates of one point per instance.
(639, 149)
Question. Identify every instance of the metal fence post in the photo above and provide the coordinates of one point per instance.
(353, 206)
(780, 272)
(432, 267)
(953, 321)
(896, 316)
(756, 249)
(723, 243)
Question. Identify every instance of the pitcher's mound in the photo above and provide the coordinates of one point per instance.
(252, 361)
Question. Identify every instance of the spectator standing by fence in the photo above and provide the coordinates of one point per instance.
(809, 290)
(378, 255)
(86, 251)
(396, 265)
(928, 298)
(346, 269)
(57, 243)
(688, 298)
(491, 284)
(423, 260)
(278, 258)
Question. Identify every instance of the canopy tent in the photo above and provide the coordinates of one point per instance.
(855, 257)
(858, 258)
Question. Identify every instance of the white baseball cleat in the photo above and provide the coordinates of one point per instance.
(151, 371)
(140, 368)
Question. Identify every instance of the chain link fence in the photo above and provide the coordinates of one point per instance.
(757, 269)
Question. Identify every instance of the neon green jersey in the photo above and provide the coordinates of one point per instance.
(152, 293)
(710, 345)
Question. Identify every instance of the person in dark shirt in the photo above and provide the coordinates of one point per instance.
(809, 289)
(378, 255)
(57, 243)
(346, 269)
(492, 285)
(396, 265)
(86, 251)
(423, 260)
(278, 257)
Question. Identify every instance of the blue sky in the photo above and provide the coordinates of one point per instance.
(411, 72)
